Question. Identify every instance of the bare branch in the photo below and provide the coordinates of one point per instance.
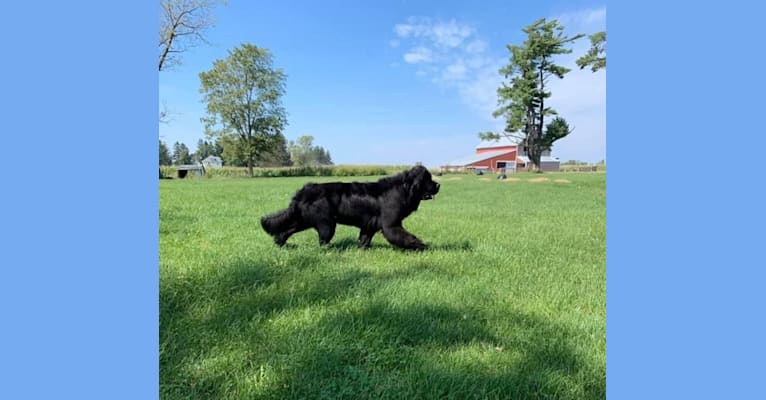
(183, 24)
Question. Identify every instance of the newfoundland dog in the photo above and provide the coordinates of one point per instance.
(370, 206)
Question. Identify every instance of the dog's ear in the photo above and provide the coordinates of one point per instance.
(415, 178)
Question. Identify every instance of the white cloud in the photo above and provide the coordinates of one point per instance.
(583, 21)
(394, 43)
(476, 47)
(403, 30)
(450, 34)
(458, 60)
(418, 55)
(455, 72)
(480, 92)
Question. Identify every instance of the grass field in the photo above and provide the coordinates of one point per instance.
(509, 302)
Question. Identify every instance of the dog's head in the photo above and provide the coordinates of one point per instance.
(422, 187)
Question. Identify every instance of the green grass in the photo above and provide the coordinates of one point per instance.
(509, 302)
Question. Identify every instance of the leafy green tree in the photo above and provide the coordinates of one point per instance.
(596, 55)
(205, 149)
(243, 94)
(323, 156)
(181, 154)
(300, 151)
(165, 154)
(304, 153)
(522, 100)
(278, 156)
(232, 153)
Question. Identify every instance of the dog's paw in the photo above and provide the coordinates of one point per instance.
(280, 240)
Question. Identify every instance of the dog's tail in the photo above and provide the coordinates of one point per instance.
(279, 221)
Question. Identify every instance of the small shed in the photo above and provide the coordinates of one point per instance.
(196, 169)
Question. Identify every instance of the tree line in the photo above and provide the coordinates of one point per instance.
(300, 153)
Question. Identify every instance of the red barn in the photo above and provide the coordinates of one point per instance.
(500, 155)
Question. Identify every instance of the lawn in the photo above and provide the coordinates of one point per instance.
(509, 302)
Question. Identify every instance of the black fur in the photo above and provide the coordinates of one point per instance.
(370, 206)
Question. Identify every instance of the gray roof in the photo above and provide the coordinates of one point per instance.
(479, 157)
(525, 159)
(189, 167)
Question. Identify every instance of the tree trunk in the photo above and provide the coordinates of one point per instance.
(534, 156)
(539, 128)
(250, 166)
(166, 50)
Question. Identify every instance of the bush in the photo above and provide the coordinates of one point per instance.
(168, 171)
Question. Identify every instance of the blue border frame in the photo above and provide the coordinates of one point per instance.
(685, 303)
(79, 288)
(79, 285)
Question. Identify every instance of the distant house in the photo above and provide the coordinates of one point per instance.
(212, 161)
(501, 155)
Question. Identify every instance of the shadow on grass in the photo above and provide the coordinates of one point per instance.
(351, 244)
(436, 352)
(457, 246)
(338, 339)
(343, 244)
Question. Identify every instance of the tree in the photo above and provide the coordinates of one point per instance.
(522, 102)
(183, 24)
(596, 55)
(243, 94)
(181, 154)
(323, 156)
(304, 153)
(231, 154)
(300, 151)
(278, 155)
(164, 154)
(205, 149)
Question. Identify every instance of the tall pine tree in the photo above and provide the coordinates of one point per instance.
(522, 100)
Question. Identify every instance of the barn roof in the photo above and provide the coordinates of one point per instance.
(479, 157)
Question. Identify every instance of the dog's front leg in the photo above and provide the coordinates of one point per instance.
(398, 236)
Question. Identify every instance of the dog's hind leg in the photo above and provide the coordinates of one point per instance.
(365, 238)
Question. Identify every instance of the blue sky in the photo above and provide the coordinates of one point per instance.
(394, 82)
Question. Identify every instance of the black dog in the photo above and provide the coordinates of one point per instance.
(370, 206)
